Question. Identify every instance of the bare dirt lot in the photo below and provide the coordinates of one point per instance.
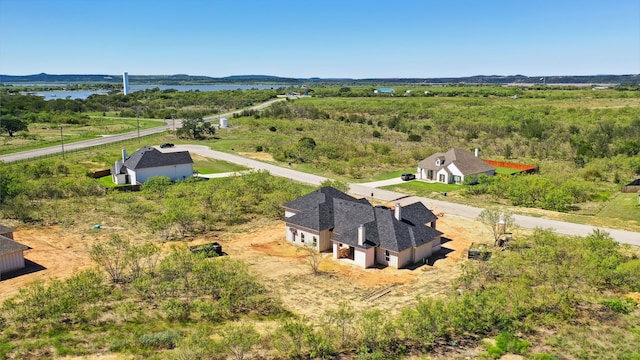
(59, 253)
(288, 274)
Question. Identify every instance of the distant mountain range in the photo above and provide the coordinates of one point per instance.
(183, 79)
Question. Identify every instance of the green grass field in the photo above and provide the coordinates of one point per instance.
(41, 135)
(623, 207)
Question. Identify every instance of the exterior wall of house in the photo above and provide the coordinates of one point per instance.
(364, 257)
(381, 257)
(442, 176)
(174, 172)
(404, 258)
(423, 251)
(424, 174)
(435, 245)
(304, 237)
(324, 242)
(12, 261)
(8, 235)
(119, 179)
(455, 172)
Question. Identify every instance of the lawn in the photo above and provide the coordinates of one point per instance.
(212, 166)
(622, 207)
(390, 175)
(425, 189)
(506, 171)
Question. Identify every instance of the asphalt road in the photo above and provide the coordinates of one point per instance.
(449, 209)
(106, 139)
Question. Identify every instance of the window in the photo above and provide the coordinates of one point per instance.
(457, 179)
(315, 241)
(386, 255)
(301, 237)
(441, 178)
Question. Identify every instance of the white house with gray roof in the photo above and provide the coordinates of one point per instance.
(353, 229)
(148, 162)
(453, 166)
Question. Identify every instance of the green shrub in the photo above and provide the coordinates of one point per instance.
(543, 356)
(507, 343)
(176, 309)
(160, 340)
(624, 306)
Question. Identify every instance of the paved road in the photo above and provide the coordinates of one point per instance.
(113, 138)
(449, 209)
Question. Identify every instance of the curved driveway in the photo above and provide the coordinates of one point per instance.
(451, 209)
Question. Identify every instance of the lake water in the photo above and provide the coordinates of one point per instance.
(83, 94)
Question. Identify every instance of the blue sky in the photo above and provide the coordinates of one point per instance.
(327, 38)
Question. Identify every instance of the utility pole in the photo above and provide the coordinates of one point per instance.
(62, 141)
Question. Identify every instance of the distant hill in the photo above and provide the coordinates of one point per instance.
(184, 79)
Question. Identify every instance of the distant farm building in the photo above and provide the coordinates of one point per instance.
(384, 90)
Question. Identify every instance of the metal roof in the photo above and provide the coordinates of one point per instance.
(8, 246)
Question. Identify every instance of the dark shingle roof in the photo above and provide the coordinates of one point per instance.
(8, 246)
(317, 197)
(417, 213)
(465, 161)
(329, 208)
(386, 231)
(316, 209)
(148, 157)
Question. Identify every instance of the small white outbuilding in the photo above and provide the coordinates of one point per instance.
(11, 251)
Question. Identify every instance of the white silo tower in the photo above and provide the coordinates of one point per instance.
(125, 82)
(224, 123)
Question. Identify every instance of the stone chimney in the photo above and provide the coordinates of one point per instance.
(124, 155)
(361, 235)
(398, 212)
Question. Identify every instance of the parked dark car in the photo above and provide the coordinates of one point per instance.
(166, 145)
(407, 177)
